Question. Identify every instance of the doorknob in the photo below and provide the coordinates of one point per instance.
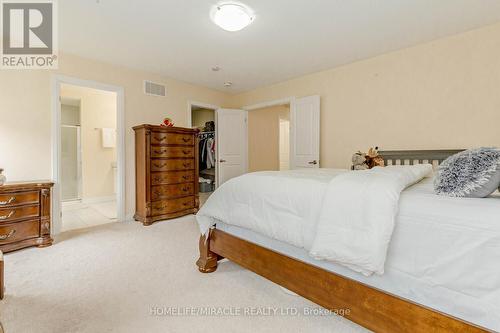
(222, 161)
(313, 162)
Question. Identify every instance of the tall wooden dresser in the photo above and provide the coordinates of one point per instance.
(166, 169)
(24, 215)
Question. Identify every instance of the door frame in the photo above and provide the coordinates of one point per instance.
(267, 104)
(190, 105)
(56, 81)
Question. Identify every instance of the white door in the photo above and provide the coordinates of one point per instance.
(231, 144)
(304, 134)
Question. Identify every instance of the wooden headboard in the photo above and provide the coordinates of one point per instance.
(405, 157)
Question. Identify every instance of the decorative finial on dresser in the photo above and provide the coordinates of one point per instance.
(3, 179)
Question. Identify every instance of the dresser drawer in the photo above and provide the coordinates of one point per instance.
(173, 177)
(14, 232)
(16, 213)
(162, 151)
(159, 138)
(16, 199)
(172, 165)
(172, 206)
(163, 192)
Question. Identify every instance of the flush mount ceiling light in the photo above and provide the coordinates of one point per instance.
(232, 17)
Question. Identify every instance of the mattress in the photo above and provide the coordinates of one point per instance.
(444, 254)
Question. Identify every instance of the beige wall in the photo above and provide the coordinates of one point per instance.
(25, 113)
(97, 110)
(263, 137)
(201, 116)
(444, 94)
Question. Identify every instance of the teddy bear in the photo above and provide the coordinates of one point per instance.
(373, 159)
(359, 161)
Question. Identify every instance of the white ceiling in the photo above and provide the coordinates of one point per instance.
(288, 38)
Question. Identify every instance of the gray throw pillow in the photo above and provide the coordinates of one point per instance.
(473, 173)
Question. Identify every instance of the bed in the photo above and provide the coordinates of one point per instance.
(440, 271)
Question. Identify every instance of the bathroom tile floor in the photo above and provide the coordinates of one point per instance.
(77, 215)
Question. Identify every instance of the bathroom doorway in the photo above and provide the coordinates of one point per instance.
(88, 157)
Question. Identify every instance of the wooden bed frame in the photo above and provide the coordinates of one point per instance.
(367, 306)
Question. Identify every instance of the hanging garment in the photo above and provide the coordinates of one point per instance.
(202, 163)
(210, 155)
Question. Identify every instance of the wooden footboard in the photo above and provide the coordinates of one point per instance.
(367, 306)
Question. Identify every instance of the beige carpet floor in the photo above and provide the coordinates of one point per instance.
(110, 278)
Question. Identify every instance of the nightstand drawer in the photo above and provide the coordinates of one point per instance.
(16, 213)
(16, 199)
(14, 232)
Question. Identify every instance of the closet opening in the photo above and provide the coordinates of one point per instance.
(204, 119)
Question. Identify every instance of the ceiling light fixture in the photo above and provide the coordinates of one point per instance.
(228, 84)
(232, 17)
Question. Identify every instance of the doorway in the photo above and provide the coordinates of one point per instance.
(203, 117)
(269, 138)
(303, 136)
(88, 157)
(105, 205)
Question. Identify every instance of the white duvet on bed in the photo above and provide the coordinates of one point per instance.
(345, 217)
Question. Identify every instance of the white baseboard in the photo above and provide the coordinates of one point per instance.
(94, 200)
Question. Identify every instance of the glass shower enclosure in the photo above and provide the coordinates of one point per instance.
(70, 163)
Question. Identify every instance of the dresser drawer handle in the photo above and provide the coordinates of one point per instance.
(185, 189)
(5, 217)
(160, 165)
(160, 139)
(186, 164)
(11, 200)
(185, 203)
(186, 152)
(9, 235)
(185, 177)
(186, 139)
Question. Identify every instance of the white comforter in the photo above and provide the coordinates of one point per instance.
(346, 217)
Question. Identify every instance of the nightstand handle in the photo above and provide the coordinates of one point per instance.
(5, 217)
(6, 236)
(11, 200)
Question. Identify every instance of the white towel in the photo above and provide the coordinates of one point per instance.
(108, 137)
